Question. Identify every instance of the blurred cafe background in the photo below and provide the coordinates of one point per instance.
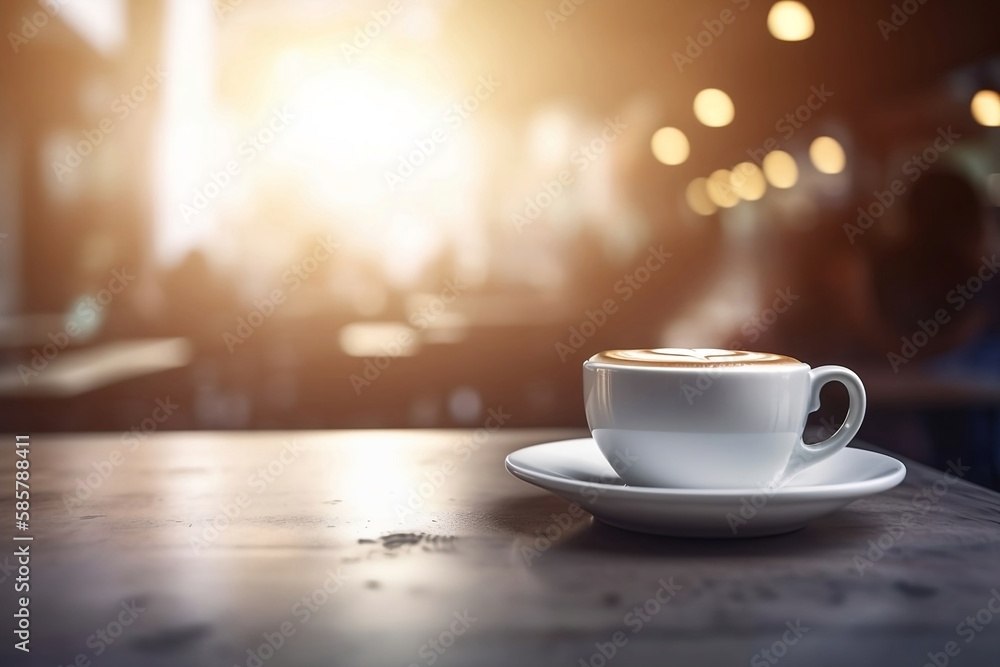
(264, 214)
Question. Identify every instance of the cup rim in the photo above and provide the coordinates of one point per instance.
(697, 370)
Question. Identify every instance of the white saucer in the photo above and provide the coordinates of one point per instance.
(576, 471)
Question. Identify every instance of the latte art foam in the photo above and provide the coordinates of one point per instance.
(675, 357)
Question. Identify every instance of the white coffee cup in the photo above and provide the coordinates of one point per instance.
(710, 418)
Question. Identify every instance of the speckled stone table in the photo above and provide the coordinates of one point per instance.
(416, 547)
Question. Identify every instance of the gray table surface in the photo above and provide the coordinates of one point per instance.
(408, 547)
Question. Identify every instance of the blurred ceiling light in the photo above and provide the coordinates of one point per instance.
(713, 108)
(378, 339)
(719, 189)
(986, 108)
(101, 23)
(352, 116)
(780, 169)
(670, 146)
(748, 181)
(827, 155)
(790, 21)
(697, 197)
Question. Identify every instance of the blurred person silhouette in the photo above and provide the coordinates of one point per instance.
(949, 258)
(937, 264)
(862, 304)
(855, 300)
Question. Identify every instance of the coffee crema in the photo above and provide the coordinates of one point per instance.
(674, 357)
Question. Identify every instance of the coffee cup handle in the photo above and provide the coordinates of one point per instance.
(805, 455)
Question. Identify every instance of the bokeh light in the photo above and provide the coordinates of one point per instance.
(720, 191)
(748, 181)
(993, 188)
(714, 108)
(790, 21)
(698, 199)
(986, 108)
(670, 146)
(780, 169)
(827, 155)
